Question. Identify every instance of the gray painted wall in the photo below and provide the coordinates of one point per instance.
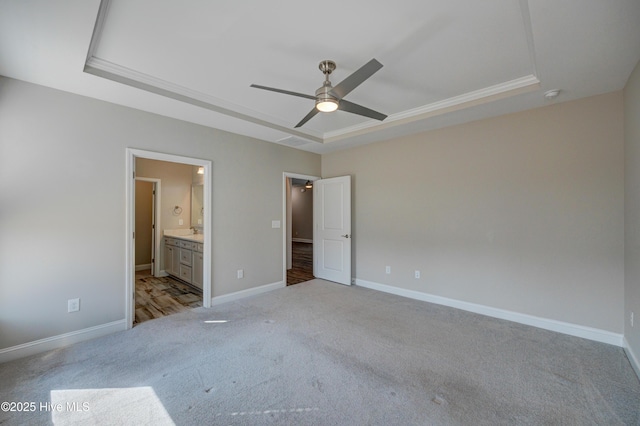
(302, 213)
(62, 206)
(522, 212)
(176, 190)
(632, 211)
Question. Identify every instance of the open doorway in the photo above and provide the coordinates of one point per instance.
(175, 285)
(178, 237)
(147, 224)
(298, 265)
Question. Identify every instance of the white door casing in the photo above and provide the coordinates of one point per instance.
(132, 154)
(332, 229)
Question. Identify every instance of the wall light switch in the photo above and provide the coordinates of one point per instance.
(180, 222)
(73, 305)
(240, 273)
(275, 224)
(387, 269)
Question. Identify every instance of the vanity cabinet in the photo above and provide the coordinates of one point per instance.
(172, 257)
(183, 259)
(198, 265)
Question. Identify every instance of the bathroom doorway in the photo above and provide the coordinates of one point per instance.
(147, 225)
(204, 249)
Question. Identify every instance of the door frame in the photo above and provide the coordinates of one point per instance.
(157, 202)
(285, 216)
(131, 155)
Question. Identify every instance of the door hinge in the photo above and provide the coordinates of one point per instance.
(134, 235)
(134, 174)
(153, 226)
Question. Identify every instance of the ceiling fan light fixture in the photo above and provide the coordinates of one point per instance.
(327, 105)
(329, 98)
(325, 102)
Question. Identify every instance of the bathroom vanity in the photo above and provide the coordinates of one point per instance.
(183, 257)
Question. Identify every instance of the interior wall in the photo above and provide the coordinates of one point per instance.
(302, 213)
(144, 221)
(176, 190)
(63, 223)
(522, 212)
(632, 213)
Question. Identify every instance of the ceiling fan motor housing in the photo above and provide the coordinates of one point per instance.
(326, 102)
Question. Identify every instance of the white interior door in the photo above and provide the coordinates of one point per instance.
(332, 229)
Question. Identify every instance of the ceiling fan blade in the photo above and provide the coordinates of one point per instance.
(360, 110)
(354, 80)
(286, 92)
(307, 117)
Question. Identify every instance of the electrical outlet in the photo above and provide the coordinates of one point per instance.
(240, 273)
(416, 274)
(387, 269)
(180, 222)
(73, 305)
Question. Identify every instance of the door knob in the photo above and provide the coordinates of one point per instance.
(345, 235)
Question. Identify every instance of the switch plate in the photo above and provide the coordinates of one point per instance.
(275, 224)
(631, 319)
(180, 222)
(416, 274)
(387, 269)
(73, 305)
(240, 273)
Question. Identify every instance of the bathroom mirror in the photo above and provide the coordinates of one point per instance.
(197, 206)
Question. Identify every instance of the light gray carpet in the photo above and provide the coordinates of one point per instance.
(324, 354)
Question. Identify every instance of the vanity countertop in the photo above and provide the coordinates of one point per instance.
(198, 238)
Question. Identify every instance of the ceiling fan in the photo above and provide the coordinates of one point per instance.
(329, 98)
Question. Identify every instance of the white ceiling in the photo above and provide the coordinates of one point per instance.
(445, 61)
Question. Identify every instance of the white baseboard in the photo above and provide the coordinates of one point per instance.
(217, 300)
(545, 323)
(633, 359)
(302, 240)
(55, 342)
(143, 267)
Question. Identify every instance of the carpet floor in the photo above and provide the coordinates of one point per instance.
(319, 353)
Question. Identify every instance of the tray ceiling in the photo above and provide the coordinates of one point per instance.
(445, 62)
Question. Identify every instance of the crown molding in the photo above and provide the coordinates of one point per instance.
(477, 97)
(149, 83)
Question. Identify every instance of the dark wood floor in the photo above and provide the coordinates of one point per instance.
(302, 263)
(161, 296)
(157, 297)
